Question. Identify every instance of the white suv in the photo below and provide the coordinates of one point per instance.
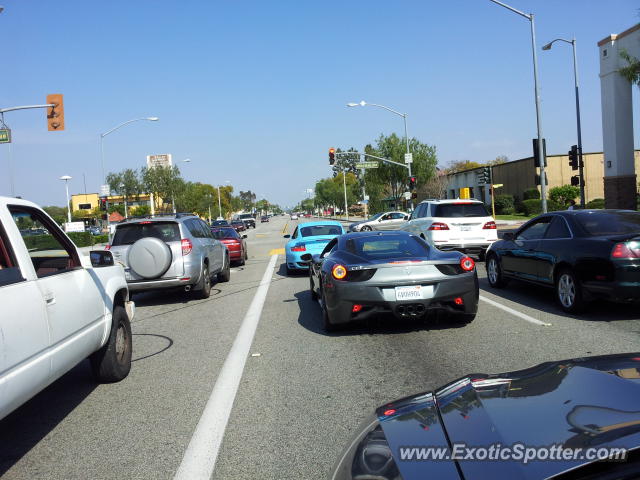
(463, 225)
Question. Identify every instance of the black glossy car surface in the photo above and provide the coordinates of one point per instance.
(378, 265)
(575, 404)
(572, 251)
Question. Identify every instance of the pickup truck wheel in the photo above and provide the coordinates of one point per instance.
(205, 291)
(112, 362)
(225, 274)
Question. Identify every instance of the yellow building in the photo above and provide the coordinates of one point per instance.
(87, 202)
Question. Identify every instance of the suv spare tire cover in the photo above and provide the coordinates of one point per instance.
(149, 257)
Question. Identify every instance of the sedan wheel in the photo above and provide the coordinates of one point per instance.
(494, 273)
(569, 292)
(365, 228)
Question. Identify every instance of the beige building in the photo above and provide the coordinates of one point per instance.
(520, 175)
(87, 202)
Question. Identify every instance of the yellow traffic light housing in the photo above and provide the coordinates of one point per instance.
(55, 114)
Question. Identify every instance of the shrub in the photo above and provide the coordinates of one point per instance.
(531, 193)
(504, 204)
(596, 203)
(100, 239)
(81, 239)
(563, 195)
(532, 206)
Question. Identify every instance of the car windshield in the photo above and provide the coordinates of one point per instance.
(132, 232)
(381, 247)
(220, 222)
(221, 233)
(246, 216)
(315, 230)
(609, 223)
(376, 216)
(463, 209)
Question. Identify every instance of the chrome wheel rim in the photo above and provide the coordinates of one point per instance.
(492, 270)
(366, 228)
(566, 290)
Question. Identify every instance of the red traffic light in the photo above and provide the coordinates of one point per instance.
(332, 156)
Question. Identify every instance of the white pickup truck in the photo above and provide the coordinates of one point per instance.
(57, 306)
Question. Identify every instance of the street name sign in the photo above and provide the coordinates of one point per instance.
(408, 158)
(367, 164)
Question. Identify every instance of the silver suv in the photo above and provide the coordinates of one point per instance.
(177, 251)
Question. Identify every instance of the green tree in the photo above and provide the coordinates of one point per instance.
(562, 196)
(163, 182)
(346, 162)
(141, 211)
(59, 214)
(247, 199)
(632, 71)
(461, 165)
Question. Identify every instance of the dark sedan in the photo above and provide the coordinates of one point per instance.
(554, 420)
(218, 223)
(239, 225)
(582, 254)
(358, 275)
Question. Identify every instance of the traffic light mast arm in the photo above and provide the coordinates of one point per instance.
(373, 156)
(25, 107)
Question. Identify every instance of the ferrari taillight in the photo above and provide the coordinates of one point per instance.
(339, 272)
(467, 264)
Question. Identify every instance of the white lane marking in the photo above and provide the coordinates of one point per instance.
(510, 310)
(200, 457)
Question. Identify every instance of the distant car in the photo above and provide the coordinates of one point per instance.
(577, 405)
(173, 251)
(381, 221)
(294, 216)
(583, 254)
(311, 238)
(234, 241)
(94, 230)
(248, 219)
(463, 225)
(361, 274)
(217, 223)
(308, 215)
(264, 219)
(238, 225)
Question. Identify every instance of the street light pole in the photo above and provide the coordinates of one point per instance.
(540, 159)
(578, 123)
(404, 117)
(66, 179)
(344, 184)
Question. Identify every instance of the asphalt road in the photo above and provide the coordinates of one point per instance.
(302, 393)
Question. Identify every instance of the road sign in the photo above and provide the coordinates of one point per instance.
(367, 164)
(5, 135)
(105, 191)
(408, 158)
(407, 195)
(366, 198)
(162, 160)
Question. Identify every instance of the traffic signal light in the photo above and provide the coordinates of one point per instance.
(485, 175)
(412, 183)
(414, 195)
(332, 156)
(55, 114)
(575, 180)
(103, 204)
(535, 152)
(573, 157)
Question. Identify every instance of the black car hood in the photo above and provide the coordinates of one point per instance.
(579, 403)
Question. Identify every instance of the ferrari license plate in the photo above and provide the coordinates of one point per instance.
(411, 292)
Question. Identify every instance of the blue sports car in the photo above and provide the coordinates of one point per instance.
(310, 237)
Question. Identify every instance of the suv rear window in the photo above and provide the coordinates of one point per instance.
(461, 210)
(130, 233)
(609, 223)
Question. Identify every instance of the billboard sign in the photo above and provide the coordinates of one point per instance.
(161, 160)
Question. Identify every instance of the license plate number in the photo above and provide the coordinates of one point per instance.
(465, 228)
(409, 293)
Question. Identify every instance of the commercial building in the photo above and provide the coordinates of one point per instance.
(520, 175)
(87, 202)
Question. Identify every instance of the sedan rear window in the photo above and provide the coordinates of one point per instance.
(130, 233)
(609, 223)
(314, 230)
(381, 247)
(453, 210)
(221, 233)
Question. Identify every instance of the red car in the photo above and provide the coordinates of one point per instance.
(239, 225)
(235, 243)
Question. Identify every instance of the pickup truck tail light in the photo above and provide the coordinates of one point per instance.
(439, 226)
(490, 226)
(299, 248)
(187, 246)
(626, 250)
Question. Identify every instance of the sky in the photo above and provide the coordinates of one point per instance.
(255, 92)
